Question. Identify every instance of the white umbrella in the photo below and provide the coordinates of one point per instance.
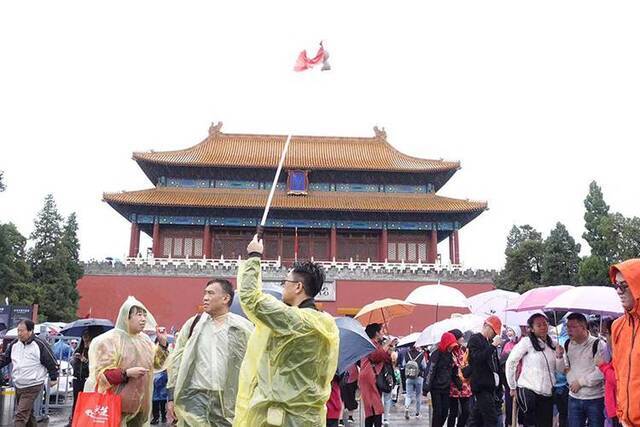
(495, 303)
(601, 300)
(438, 296)
(464, 322)
(51, 328)
(409, 339)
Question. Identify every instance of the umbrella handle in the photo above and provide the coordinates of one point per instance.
(514, 411)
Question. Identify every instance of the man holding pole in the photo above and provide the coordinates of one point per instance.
(292, 354)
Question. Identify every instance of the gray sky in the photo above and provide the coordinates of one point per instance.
(536, 99)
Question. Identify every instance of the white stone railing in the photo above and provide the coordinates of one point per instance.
(267, 264)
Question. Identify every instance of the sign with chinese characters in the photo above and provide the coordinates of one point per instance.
(328, 292)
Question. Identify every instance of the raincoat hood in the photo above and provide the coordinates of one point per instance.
(123, 315)
(446, 341)
(630, 270)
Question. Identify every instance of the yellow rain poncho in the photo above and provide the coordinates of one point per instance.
(291, 359)
(118, 348)
(196, 407)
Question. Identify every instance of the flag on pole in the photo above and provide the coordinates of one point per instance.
(304, 63)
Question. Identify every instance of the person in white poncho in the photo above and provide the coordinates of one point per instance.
(205, 365)
(540, 361)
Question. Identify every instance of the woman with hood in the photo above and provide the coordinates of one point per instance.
(625, 340)
(123, 360)
(442, 373)
(459, 397)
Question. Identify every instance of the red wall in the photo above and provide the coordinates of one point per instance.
(173, 299)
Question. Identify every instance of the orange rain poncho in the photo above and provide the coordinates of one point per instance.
(118, 348)
(291, 359)
(625, 335)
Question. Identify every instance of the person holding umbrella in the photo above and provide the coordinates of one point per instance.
(292, 355)
(371, 366)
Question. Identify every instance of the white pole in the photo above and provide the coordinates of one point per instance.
(275, 181)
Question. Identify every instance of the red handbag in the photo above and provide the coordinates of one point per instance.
(97, 409)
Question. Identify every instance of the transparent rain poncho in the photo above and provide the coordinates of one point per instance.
(195, 407)
(291, 359)
(118, 348)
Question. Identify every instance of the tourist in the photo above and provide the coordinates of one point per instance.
(586, 382)
(561, 387)
(62, 350)
(334, 404)
(370, 367)
(123, 360)
(80, 364)
(625, 334)
(459, 397)
(415, 371)
(292, 355)
(603, 361)
(483, 372)
(32, 361)
(387, 397)
(534, 386)
(205, 364)
(348, 387)
(441, 374)
(159, 405)
(512, 337)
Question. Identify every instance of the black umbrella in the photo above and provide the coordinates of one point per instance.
(77, 328)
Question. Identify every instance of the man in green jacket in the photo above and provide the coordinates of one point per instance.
(292, 354)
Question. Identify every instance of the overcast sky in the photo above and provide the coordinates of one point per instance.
(536, 99)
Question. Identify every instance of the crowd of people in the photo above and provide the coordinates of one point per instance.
(279, 367)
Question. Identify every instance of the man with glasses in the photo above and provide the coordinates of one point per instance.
(292, 354)
(625, 337)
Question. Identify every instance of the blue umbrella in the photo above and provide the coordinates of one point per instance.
(77, 328)
(354, 342)
(274, 290)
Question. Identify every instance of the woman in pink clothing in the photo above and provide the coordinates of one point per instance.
(606, 367)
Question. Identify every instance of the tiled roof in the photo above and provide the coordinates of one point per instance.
(328, 201)
(305, 152)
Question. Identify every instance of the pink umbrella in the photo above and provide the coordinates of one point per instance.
(601, 300)
(537, 298)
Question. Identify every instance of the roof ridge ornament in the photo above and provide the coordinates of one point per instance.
(214, 129)
(380, 133)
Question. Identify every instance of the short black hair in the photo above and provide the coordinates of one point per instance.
(311, 275)
(136, 309)
(226, 286)
(606, 324)
(27, 324)
(579, 317)
(372, 329)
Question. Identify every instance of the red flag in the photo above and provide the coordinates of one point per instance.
(305, 63)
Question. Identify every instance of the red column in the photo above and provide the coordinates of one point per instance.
(457, 247)
(452, 255)
(333, 244)
(155, 246)
(134, 240)
(384, 240)
(432, 254)
(207, 241)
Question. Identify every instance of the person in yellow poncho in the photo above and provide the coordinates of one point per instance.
(123, 359)
(292, 355)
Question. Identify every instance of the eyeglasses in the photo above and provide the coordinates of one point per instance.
(620, 286)
(284, 282)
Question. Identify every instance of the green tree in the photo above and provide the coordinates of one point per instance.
(524, 256)
(629, 242)
(2, 185)
(599, 224)
(49, 263)
(561, 258)
(13, 264)
(70, 246)
(593, 271)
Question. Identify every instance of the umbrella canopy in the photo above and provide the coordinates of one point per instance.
(383, 310)
(537, 298)
(77, 328)
(464, 322)
(602, 300)
(354, 343)
(438, 295)
(495, 303)
(274, 290)
(408, 340)
(51, 328)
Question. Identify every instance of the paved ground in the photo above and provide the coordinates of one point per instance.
(59, 418)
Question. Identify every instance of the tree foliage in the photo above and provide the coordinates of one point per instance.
(524, 257)
(561, 258)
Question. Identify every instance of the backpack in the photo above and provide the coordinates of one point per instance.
(412, 369)
(594, 347)
(385, 379)
(193, 325)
